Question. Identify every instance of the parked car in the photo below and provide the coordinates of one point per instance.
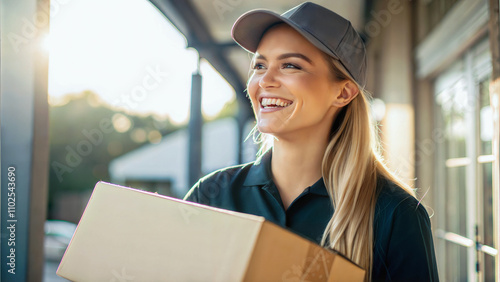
(58, 234)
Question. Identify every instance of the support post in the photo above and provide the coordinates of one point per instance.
(24, 138)
(494, 38)
(195, 129)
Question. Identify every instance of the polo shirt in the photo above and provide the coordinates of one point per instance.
(403, 246)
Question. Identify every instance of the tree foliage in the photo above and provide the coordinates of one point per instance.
(84, 139)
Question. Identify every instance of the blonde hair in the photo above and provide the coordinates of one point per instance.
(351, 167)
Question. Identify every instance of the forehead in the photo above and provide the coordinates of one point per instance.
(283, 38)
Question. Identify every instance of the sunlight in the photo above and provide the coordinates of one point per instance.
(46, 44)
(140, 67)
(216, 90)
(121, 123)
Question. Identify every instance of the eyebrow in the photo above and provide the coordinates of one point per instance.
(288, 55)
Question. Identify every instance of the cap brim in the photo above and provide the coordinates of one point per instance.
(249, 28)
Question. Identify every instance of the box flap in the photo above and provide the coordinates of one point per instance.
(343, 270)
(281, 255)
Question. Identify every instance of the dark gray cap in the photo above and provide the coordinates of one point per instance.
(325, 29)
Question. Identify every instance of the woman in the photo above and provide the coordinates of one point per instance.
(320, 174)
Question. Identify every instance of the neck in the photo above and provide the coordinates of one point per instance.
(296, 163)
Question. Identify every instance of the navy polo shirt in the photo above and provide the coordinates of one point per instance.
(403, 246)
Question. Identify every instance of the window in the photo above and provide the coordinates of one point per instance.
(436, 10)
(464, 164)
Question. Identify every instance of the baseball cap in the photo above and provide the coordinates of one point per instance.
(324, 28)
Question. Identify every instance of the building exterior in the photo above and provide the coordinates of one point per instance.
(163, 167)
(432, 66)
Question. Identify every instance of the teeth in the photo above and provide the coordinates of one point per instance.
(274, 102)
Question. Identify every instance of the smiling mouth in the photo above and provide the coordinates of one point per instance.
(267, 103)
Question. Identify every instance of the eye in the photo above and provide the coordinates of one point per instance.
(258, 66)
(291, 66)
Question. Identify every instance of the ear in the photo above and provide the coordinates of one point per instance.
(348, 91)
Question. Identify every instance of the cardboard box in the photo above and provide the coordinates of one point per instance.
(132, 235)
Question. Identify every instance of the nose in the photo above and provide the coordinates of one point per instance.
(268, 79)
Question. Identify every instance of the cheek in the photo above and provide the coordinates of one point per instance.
(252, 88)
(310, 91)
(316, 98)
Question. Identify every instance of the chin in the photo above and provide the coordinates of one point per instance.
(269, 127)
(264, 129)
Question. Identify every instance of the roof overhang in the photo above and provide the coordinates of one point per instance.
(207, 28)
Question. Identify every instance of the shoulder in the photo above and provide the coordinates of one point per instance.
(398, 215)
(226, 175)
(403, 249)
(213, 184)
(394, 201)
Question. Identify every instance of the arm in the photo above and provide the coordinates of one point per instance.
(192, 194)
(410, 254)
(208, 190)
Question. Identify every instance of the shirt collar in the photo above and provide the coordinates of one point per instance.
(319, 188)
(260, 174)
(260, 171)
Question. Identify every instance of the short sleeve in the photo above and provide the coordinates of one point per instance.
(410, 253)
(192, 194)
(209, 189)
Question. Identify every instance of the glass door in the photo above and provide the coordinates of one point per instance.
(464, 170)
